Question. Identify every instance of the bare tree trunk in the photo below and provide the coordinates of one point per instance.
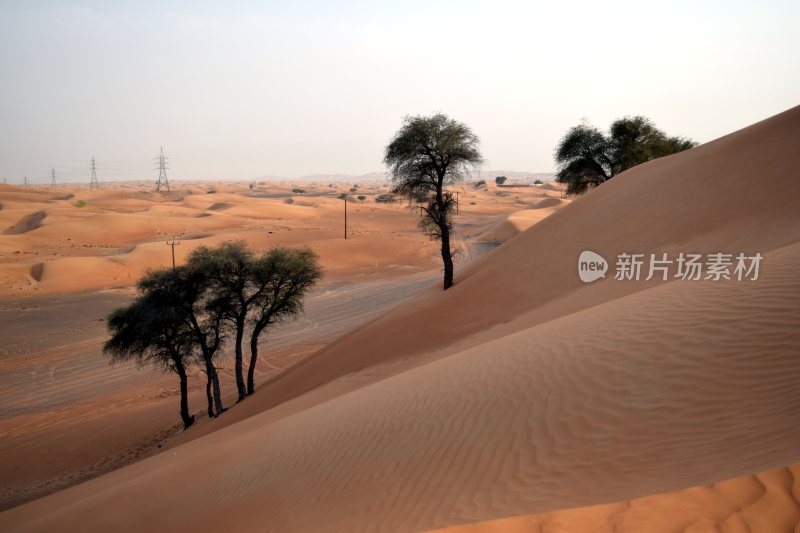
(238, 366)
(447, 257)
(187, 419)
(209, 397)
(251, 371)
(444, 233)
(214, 379)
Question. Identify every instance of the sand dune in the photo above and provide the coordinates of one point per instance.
(522, 390)
(107, 243)
(595, 407)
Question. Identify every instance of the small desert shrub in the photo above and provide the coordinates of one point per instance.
(81, 203)
(480, 184)
(298, 191)
(288, 201)
(211, 191)
(362, 198)
(537, 182)
(386, 198)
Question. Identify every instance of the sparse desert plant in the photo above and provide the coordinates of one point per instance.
(587, 158)
(425, 156)
(251, 186)
(500, 180)
(480, 184)
(385, 198)
(81, 203)
(288, 200)
(211, 191)
(361, 197)
(538, 182)
(298, 190)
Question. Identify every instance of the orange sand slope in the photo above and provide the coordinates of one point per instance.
(521, 390)
(764, 502)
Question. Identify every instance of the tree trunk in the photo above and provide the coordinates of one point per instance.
(251, 371)
(214, 379)
(447, 258)
(181, 370)
(209, 397)
(238, 366)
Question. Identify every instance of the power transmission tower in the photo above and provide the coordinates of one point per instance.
(93, 184)
(53, 177)
(162, 172)
(26, 181)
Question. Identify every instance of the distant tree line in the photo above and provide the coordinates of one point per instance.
(182, 317)
(587, 157)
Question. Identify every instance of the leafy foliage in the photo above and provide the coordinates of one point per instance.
(587, 158)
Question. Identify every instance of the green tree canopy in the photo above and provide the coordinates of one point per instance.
(587, 157)
(427, 155)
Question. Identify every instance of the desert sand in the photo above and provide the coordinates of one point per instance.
(523, 398)
(66, 265)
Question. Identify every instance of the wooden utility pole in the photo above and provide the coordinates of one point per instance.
(173, 244)
(345, 216)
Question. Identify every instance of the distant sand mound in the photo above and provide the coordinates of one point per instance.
(27, 223)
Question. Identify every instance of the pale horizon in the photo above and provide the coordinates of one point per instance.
(241, 92)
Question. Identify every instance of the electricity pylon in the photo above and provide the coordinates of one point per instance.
(93, 184)
(162, 172)
(53, 177)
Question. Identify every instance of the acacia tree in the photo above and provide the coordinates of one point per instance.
(425, 156)
(204, 314)
(587, 158)
(287, 274)
(151, 331)
(229, 268)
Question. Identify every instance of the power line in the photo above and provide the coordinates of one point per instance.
(162, 176)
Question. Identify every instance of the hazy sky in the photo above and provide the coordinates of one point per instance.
(246, 89)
